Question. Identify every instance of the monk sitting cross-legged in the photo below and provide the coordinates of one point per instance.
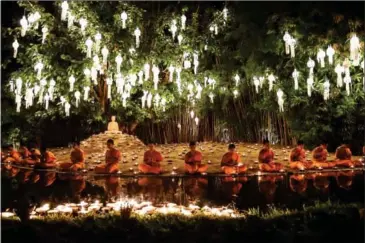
(77, 159)
(24, 152)
(112, 158)
(266, 159)
(34, 157)
(151, 160)
(297, 158)
(48, 159)
(193, 161)
(319, 155)
(231, 162)
(13, 155)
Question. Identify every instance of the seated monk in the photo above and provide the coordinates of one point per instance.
(151, 160)
(297, 158)
(13, 155)
(266, 159)
(343, 156)
(48, 159)
(193, 161)
(112, 158)
(24, 152)
(231, 162)
(77, 158)
(34, 157)
(113, 126)
(319, 157)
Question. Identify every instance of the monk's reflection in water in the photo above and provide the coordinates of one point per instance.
(232, 186)
(298, 183)
(344, 179)
(112, 186)
(267, 186)
(195, 188)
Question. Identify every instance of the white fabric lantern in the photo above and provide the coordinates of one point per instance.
(211, 96)
(235, 93)
(39, 67)
(118, 60)
(24, 25)
(43, 84)
(94, 75)
(67, 108)
(347, 81)
(29, 95)
(71, 80)
(52, 84)
(326, 89)
(183, 22)
(171, 73)
(70, 20)
(83, 24)
(287, 39)
(339, 70)
(86, 93)
(105, 53)
(97, 42)
(140, 77)
(157, 100)
(330, 52)
(310, 82)
(280, 94)
(19, 85)
(173, 29)
(192, 114)
(196, 121)
(123, 17)
(178, 74)
(144, 98)
(18, 101)
(271, 79)
(163, 104)
(149, 100)
(180, 39)
(320, 57)
(256, 82)
(310, 65)
(146, 69)
(292, 44)
(354, 47)
(64, 7)
(15, 47)
(89, 44)
(44, 34)
(46, 100)
(77, 96)
(236, 79)
(137, 33)
(295, 77)
(156, 72)
(109, 83)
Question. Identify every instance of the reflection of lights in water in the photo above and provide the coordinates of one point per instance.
(173, 173)
(320, 168)
(174, 168)
(259, 173)
(7, 214)
(204, 173)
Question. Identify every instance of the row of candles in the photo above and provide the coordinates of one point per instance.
(142, 208)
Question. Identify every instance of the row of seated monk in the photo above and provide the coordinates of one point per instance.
(230, 163)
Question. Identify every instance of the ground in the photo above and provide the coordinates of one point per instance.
(132, 151)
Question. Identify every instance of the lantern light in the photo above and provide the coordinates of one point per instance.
(124, 17)
(88, 44)
(137, 33)
(64, 7)
(15, 47)
(83, 24)
(44, 34)
(330, 52)
(24, 25)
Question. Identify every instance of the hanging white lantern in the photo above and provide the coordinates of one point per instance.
(211, 82)
(11, 84)
(86, 93)
(199, 90)
(144, 98)
(256, 82)
(295, 75)
(192, 114)
(190, 88)
(179, 39)
(156, 72)
(140, 77)
(261, 79)
(70, 20)
(137, 33)
(46, 100)
(211, 96)
(171, 73)
(71, 80)
(320, 57)
(326, 89)
(19, 85)
(205, 47)
(97, 38)
(310, 65)
(292, 44)
(89, 44)
(236, 79)
(64, 7)
(310, 82)
(149, 100)
(354, 47)
(96, 62)
(119, 61)
(62, 101)
(37, 88)
(146, 69)
(187, 64)
(163, 104)
(29, 97)
(18, 101)
(339, 70)
(83, 24)
(38, 67)
(196, 121)
(105, 53)
(211, 28)
(330, 52)
(280, 94)
(24, 25)
(15, 47)
(52, 84)
(157, 100)
(133, 79)
(43, 84)
(178, 74)
(173, 29)
(44, 34)
(346, 65)
(215, 29)
(183, 22)
(123, 17)
(235, 93)
(196, 64)
(362, 65)
(87, 73)
(124, 99)
(119, 81)
(77, 96)
(67, 108)
(109, 83)
(225, 14)
(94, 75)
(271, 79)
(347, 81)
(287, 39)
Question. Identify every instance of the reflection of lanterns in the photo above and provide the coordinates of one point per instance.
(330, 52)
(192, 114)
(123, 17)
(196, 121)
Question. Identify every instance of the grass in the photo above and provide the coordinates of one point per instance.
(323, 222)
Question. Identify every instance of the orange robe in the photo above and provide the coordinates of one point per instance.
(24, 152)
(319, 158)
(49, 160)
(35, 157)
(229, 163)
(151, 163)
(193, 163)
(297, 159)
(343, 156)
(112, 158)
(14, 156)
(266, 160)
(77, 158)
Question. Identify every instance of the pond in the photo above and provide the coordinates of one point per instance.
(28, 187)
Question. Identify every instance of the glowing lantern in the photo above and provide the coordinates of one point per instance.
(67, 108)
(123, 17)
(24, 25)
(88, 44)
(211, 96)
(171, 73)
(94, 75)
(146, 69)
(354, 47)
(310, 82)
(19, 85)
(83, 24)
(144, 98)
(87, 73)
(140, 77)
(196, 121)
(330, 52)
(287, 38)
(178, 74)
(295, 77)
(15, 47)
(183, 22)
(236, 79)
(105, 53)
(235, 93)
(179, 39)
(192, 114)
(326, 89)
(38, 67)
(71, 80)
(149, 100)
(137, 33)
(64, 7)
(271, 79)
(310, 65)
(109, 83)
(215, 29)
(44, 34)
(256, 82)
(157, 100)
(86, 93)
(280, 94)
(18, 101)
(320, 57)
(43, 84)
(70, 20)
(29, 97)
(97, 42)
(118, 61)
(225, 14)
(199, 89)
(156, 72)
(339, 70)
(96, 62)
(173, 29)
(52, 84)
(347, 81)
(77, 96)
(292, 43)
